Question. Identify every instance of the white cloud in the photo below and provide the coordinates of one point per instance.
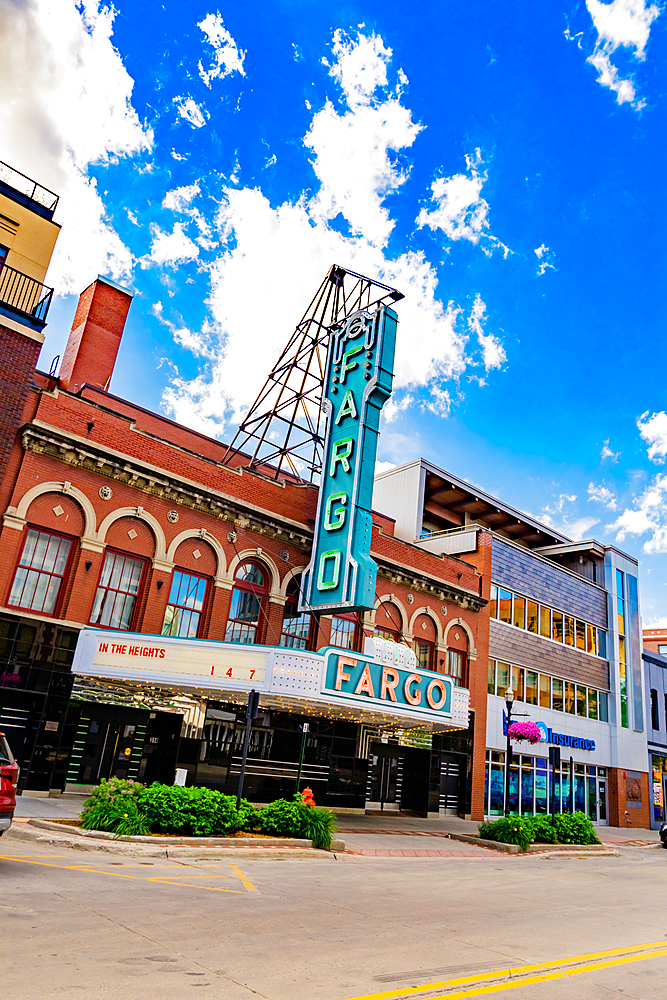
(493, 352)
(381, 467)
(649, 514)
(180, 198)
(560, 517)
(653, 429)
(606, 452)
(191, 111)
(544, 256)
(602, 494)
(226, 55)
(352, 150)
(434, 347)
(170, 248)
(622, 23)
(199, 343)
(460, 211)
(65, 103)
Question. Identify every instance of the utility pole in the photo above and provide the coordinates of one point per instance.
(251, 713)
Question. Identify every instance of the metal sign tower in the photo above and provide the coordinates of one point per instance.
(283, 431)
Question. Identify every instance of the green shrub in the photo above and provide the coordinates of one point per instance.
(114, 806)
(283, 818)
(543, 832)
(508, 830)
(291, 818)
(201, 812)
(575, 828)
(320, 826)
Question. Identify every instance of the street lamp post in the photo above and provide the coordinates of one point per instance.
(509, 702)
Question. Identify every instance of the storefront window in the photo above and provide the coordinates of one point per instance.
(248, 598)
(296, 626)
(40, 572)
(527, 788)
(117, 591)
(540, 785)
(496, 791)
(186, 603)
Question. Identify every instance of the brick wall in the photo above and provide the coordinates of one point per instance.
(18, 357)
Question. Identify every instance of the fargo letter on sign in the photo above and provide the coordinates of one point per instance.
(352, 676)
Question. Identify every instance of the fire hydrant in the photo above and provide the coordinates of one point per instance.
(308, 799)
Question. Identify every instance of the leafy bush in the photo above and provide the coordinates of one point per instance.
(542, 830)
(575, 828)
(127, 807)
(285, 818)
(508, 830)
(114, 806)
(567, 828)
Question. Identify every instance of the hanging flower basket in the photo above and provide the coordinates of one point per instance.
(527, 732)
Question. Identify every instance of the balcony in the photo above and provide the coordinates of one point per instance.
(24, 296)
(27, 192)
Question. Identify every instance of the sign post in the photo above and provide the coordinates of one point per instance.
(305, 729)
(251, 713)
(358, 381)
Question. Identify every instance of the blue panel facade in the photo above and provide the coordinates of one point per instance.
(634, 645)
(540, 580)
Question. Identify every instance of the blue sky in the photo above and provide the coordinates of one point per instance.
(502, 165)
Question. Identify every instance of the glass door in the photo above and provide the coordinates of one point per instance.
(383, 779)
(603, 819)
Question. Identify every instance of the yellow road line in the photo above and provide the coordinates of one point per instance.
(246, 881)
(141, 878)
(658, 950)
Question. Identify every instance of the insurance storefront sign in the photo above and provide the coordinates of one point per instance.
(383, 687)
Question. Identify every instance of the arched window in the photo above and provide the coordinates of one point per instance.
(248, 601)
(296, 626)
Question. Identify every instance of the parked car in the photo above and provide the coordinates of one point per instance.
(9, 779)
(663, 834)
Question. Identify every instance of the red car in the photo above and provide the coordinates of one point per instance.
(9, 778)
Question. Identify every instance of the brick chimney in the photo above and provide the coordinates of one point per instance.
(98, 326)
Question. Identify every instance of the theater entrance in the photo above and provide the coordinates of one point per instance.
(121, 742)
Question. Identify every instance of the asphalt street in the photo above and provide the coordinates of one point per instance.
(101, 925)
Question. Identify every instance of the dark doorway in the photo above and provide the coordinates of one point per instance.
(121, 742)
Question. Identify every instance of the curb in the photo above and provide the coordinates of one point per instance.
(269, 848)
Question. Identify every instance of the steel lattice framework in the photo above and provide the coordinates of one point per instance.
(283, 431)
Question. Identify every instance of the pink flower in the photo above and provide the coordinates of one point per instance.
(528, 731)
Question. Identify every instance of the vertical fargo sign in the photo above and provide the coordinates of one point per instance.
(358, 381)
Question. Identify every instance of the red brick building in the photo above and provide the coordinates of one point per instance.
(117, 518)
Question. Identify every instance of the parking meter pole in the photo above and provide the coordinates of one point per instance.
(253, 704)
